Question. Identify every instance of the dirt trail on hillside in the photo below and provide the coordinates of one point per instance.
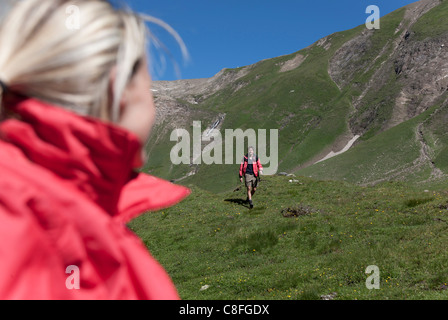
(423, 159)
(436, 173)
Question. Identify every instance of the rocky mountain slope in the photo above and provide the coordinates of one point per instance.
(379, 85)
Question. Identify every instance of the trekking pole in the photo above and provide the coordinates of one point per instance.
(238, 187)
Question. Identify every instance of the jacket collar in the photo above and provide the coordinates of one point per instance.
(96, 157)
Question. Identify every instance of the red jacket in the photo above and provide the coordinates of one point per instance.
(256, 165)
(68, 187)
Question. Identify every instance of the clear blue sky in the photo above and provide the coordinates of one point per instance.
(235, 33)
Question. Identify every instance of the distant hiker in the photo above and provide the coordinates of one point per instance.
(251, 169)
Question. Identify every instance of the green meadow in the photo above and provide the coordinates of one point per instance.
(304, 239)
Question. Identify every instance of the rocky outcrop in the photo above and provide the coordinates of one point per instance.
(420, 67)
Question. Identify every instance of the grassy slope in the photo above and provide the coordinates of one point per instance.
(433, 23)
(216, 240)
(383, 156)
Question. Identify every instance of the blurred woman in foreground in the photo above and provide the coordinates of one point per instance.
(76, 110)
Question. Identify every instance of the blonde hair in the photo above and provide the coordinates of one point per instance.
(42, 56)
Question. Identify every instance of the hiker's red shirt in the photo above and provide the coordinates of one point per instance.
(68, 187)
(256, 166)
